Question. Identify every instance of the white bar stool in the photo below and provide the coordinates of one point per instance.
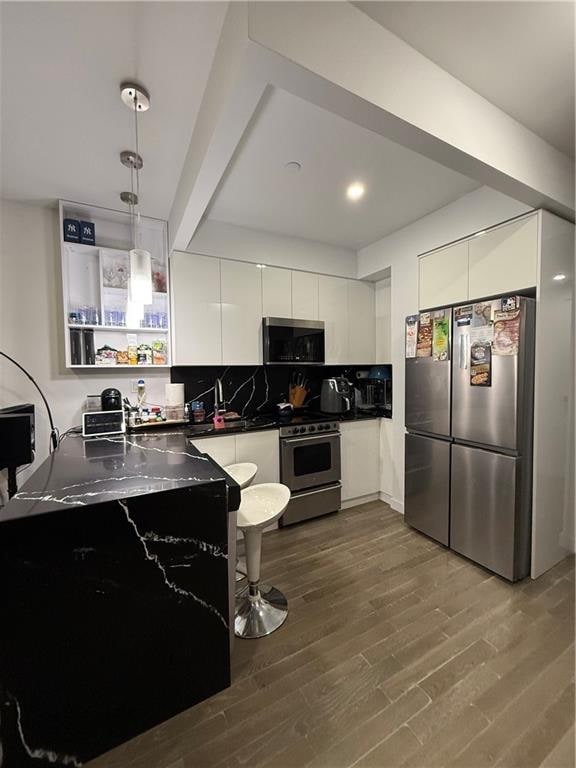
(243, 473)
(259, 609)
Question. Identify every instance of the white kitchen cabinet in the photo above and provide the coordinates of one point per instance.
(361, 323)
(304, 295)
(196, 309)
(504, 259)
(263, 449)
(443, 276)
(333, 309)
(221, 448)
(360, 448)
(276, 292)
(386, 463)
(241, 284)
(383, 296)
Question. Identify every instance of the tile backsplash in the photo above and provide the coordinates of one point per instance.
(251, 390)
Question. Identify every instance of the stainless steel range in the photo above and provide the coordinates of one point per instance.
(310, 467)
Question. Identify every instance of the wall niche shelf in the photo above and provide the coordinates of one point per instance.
(95, 292)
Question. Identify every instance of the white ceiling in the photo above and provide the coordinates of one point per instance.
(63, 123)
(259, 192)
(518, 55)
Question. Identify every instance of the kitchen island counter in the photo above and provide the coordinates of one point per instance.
(114, 584)
(86, 472)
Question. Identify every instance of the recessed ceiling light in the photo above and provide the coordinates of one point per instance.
(293, 166)
(355, 191)
(559, 277)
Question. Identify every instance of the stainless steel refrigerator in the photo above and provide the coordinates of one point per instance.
(469, 417)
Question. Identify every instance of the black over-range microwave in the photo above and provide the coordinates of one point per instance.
(293, 342)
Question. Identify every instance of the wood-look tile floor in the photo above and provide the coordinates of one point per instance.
(397, 652)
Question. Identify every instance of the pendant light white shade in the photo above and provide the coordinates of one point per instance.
(134, 314)
(140, 284)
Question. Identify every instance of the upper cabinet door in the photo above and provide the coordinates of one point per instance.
(333, 309)
(361, 325)
(241, 313)
(443, 277)
(304, 296)
(196, 316)
(276, 292)
(504, 259)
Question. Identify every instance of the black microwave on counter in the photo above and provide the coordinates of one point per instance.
(292, 342)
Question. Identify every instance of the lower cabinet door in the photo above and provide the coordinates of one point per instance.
(262, 449)
(360, 464)
(490, 521)
(427, 486)
(220, 448)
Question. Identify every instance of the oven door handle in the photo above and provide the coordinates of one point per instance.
(301, 494)
(306, 438)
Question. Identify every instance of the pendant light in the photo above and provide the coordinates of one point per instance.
(140, 283)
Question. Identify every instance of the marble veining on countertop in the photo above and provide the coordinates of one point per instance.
(86, 472)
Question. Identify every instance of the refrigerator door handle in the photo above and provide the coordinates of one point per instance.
(464, 351)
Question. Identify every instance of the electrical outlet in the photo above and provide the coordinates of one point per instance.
(134, 385)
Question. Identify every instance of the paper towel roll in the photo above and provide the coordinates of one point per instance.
(174, 394)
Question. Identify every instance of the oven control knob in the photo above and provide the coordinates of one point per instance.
(312, 429)
(302, 429)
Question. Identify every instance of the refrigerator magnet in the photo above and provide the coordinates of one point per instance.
(506, 332)
(463, 315)
(440, 338)
(509, 303)
(482, 313)
(411, 335)
(424, 339)
(481, 364)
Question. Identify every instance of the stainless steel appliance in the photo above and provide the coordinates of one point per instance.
(292, 342)
(336, 395)
(310, 467)
(469, 414)
(374, 395)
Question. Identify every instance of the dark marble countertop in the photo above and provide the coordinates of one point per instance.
(265, 423)
(87, 472)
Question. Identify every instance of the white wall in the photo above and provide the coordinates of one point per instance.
(398, 252)
(228, 241)
(383, 290)
(31, 326)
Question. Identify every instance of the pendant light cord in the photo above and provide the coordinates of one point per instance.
(137, 158)
(132, 224)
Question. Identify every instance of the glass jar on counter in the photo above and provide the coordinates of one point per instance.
(198, 411)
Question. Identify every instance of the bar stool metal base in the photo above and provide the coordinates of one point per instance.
(259, 615)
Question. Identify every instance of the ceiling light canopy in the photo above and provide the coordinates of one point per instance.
(355, 191)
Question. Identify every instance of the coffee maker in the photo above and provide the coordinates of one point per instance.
(336, 395)
(374, 392)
